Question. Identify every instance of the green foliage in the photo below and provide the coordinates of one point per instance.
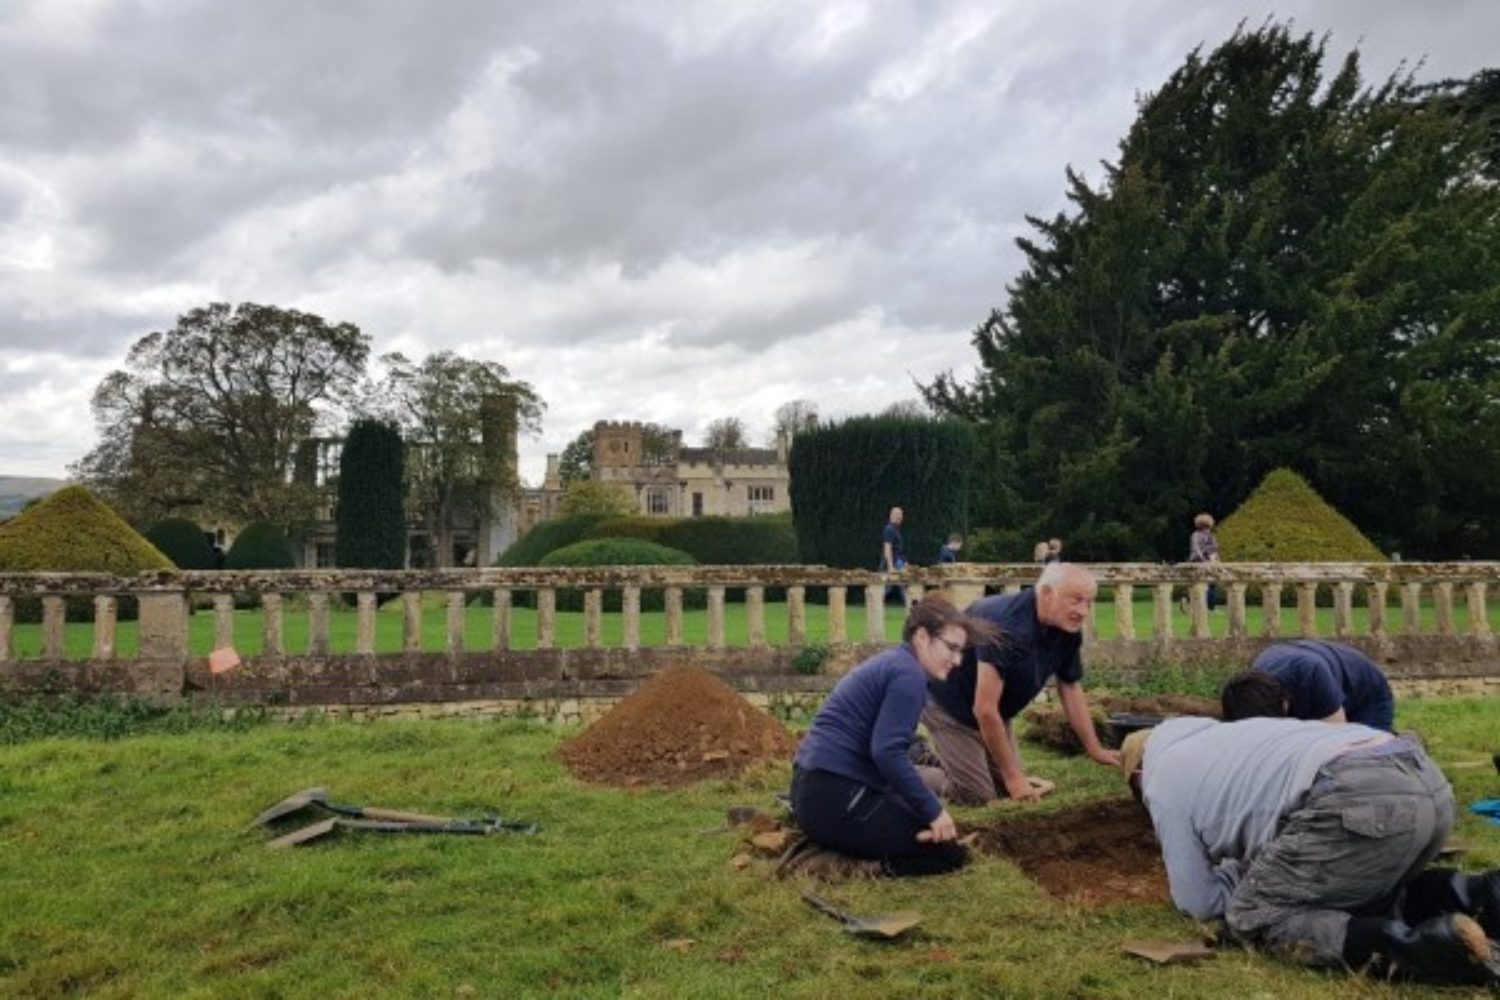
(182, 541)
(714, 541)
(261, 545)
(370, 512)
(1285, 520)
(112, 719)
(1283, 268)
(212, 411)
(618, 552)
(73, 531)
(529, 549)
(847, 476)
(810, 659)
(591, 497)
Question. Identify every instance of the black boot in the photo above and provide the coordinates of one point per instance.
(1451, 948)
(1447, 890)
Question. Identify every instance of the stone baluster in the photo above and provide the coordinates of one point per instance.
(317, 623)
(1411, 608)
(275, 625)
(411, 622)
(875, 613)
(106, 613)
(796, 616)
(716, 617)
(501, 624)
(755, 616)
(1343, 609)
(1479, 614)
(914, 592)
(1238, 628)
(162, 624)
(54, 624)
(453, 643)
(674, 616)
(546, 617)
(1442, 606)
(1161, 608)
(364, 624)
(1307, 610)
(1011, 588)
(1198, 605)
(1124, 611)
(1375, 600)
(630, 609)
(837, 611)
(593, 616)
(1270, 607)
(7, 629)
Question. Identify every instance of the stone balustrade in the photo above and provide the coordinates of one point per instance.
(1392, 626)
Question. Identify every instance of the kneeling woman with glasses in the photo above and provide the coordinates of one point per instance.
(855, 789)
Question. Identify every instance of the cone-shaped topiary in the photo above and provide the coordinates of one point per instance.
(183, 542)
(1285, 520)
(261, 545)
(73, 531)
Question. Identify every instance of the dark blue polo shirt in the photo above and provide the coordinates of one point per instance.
(1026, 654)
(1320, 677)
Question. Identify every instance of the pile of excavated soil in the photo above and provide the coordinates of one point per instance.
(681, 726)
(1048, 725)
(1099, 854)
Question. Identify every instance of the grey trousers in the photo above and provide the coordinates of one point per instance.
(971, 776)
(1370, 823)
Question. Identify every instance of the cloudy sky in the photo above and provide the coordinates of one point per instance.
(667, 211)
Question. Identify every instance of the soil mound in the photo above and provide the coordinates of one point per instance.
(1047, 725)
(681, 726)
(1099, 854)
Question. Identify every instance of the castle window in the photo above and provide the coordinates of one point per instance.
(658, 501)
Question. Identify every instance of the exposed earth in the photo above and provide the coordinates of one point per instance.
(1046, 724)
(681, 726)
(1100, 854)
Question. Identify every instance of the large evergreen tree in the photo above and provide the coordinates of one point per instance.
(370, 513)
(1281, 269)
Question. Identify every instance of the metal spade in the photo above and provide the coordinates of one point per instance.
(887, 927)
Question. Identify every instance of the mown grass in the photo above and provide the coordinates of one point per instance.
(249, 627)
(126, 871)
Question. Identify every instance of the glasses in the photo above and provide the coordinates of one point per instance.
(956, 648)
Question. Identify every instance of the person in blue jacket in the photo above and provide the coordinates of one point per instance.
(1314, 680)
(855, 789)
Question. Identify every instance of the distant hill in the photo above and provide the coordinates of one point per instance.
(16, 491)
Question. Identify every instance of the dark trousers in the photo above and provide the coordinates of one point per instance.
(855, 819)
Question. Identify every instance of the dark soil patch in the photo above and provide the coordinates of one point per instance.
(1099, 854)
(1046, 724)
(681, 726)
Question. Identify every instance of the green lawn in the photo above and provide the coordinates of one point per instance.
(249, 627)
(126, 871)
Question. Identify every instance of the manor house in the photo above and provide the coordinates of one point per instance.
(685, 482)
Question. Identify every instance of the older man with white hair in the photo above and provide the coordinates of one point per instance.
(969, 715)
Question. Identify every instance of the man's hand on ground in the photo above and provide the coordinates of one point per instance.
(1109, 758)
(1023, 789)
(942, 829)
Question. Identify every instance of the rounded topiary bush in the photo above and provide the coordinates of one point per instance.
(620, 552)
(261, 545)
(183, 542)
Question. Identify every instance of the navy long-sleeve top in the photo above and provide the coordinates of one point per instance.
(866, 725)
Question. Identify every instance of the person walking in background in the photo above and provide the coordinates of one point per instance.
(1203, 547)
(969, 714)
(893, 551)
(1054, 551)
(1312, 679)
(855, 790)
(949, 552)
(1039, 553)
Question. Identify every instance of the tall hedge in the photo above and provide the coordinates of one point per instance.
(182, 541)
(370, 511)
(847, 476)
(713, 541)
(530, 548)
(1285, 520)
(261, 545)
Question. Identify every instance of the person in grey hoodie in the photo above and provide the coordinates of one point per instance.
(1311, 839)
